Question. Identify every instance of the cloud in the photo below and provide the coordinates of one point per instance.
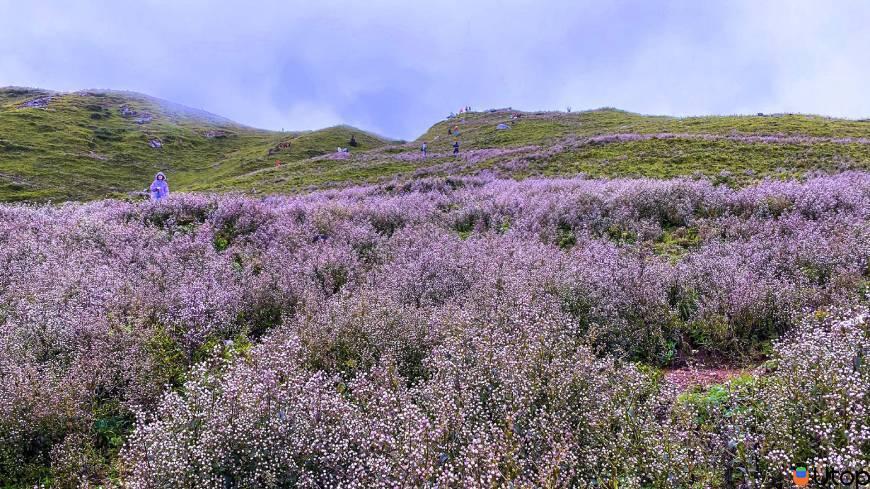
(397, 66)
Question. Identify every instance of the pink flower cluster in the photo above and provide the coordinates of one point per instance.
(737, 137)
(451, 332)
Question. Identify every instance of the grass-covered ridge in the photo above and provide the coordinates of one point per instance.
(91, 144)
(598, 143)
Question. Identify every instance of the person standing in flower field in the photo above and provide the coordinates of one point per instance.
(456, 148)
(159, 188)
(424, 149)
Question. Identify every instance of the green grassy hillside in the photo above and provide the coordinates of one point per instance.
(536, 127)
(598, 143)
(609, 143)
(83, 145)
(91, 144)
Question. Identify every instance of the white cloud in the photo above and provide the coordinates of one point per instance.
(398, 66)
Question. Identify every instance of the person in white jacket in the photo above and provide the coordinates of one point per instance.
(159, 188)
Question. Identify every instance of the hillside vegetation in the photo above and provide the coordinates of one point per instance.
(463, 322)
(451, 332)
(91, 144)
(599, 143)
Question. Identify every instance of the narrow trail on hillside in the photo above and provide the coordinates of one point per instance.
(736, 137)
(574, 142)
(686, 378)
(518, 156)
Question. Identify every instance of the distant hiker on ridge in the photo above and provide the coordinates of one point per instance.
(456, 148)
(159, 188)
(352, 141)
(423, 149)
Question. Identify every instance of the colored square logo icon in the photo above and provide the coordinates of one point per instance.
(800, 476)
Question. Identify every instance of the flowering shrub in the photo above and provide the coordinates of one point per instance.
(451, 331)
(813, 407)
(808, 410)
(481, 416)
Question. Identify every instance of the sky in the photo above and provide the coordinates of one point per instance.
(397, 67)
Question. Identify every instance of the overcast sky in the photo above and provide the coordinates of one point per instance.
(396, 67)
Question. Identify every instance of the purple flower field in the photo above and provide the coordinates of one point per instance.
(451, 332)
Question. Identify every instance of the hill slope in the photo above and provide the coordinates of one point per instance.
(599, 143)
(84, 145)
(90, 144)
